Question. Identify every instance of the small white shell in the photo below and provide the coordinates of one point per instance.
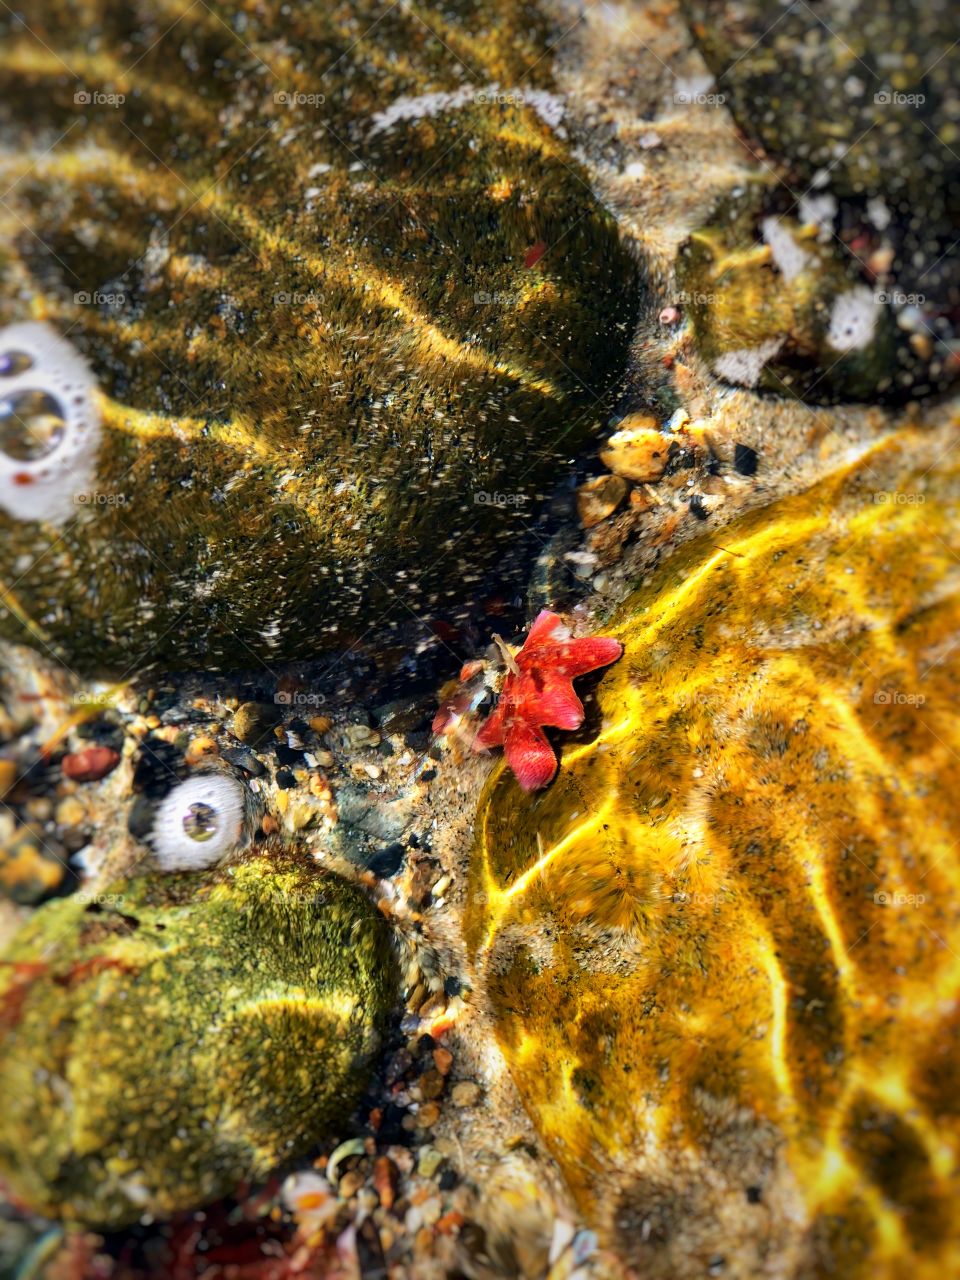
(46, 488)
(198, 823)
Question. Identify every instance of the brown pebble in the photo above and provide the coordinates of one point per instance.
(269, 824)
(442, 1060)
(431, 1084)
(91, 764)
(8, 776)
(449, 1223)
(320, 724)
(199, 749)
(319, 786)
(465, 1094)
(599, 498)
(385, 1180)
(350, 1183)
(428, 1115)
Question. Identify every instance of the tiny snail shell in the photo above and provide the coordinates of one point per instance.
(49, 424)
(199, 823)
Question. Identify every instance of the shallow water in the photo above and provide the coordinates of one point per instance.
(338, 313)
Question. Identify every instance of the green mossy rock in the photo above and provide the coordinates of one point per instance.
(182, 1034)
(338, 278)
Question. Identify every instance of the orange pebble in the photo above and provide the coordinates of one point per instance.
(442, 1060)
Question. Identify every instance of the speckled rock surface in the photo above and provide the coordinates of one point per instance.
(339, 282)
(853, 115)
(172, 1037)
(722, 947)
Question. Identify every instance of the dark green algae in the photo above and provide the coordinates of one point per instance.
(320, 342)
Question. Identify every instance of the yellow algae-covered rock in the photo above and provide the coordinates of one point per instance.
(723, 949)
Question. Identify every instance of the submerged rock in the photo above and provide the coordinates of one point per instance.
(721, 949)
(295, 251)
(774, 307)
(853, 113)
(176, 1036)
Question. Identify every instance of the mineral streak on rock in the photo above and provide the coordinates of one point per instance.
(292, 245)
(722, 948)
(183, 1034)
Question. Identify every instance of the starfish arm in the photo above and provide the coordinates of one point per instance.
(492, 730)
(545, 624)
(577, 657)
(529, 755)
(558, 706)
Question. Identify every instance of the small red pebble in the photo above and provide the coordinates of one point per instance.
(91, 764)
(535, 254)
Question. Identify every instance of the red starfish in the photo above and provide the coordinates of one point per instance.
(537, 691)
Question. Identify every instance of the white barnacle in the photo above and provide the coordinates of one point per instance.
(853, 319)
(49, 424)
(199, 823)
(744, 367)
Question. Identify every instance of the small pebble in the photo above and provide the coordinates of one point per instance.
(432, 1084)
(361, 735)
(428, 1115)
(200, 749)
(70, 812)
(639, 450)
(385, 1180)
(442, 1060)
(320, 724)
(465, 1094)
(599, 498)
(8, 776)
(431, 1209)
(91, 764)
(244, 760)
(350, 1183)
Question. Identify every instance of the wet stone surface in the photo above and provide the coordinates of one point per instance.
(853, 114)
(358, 297)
